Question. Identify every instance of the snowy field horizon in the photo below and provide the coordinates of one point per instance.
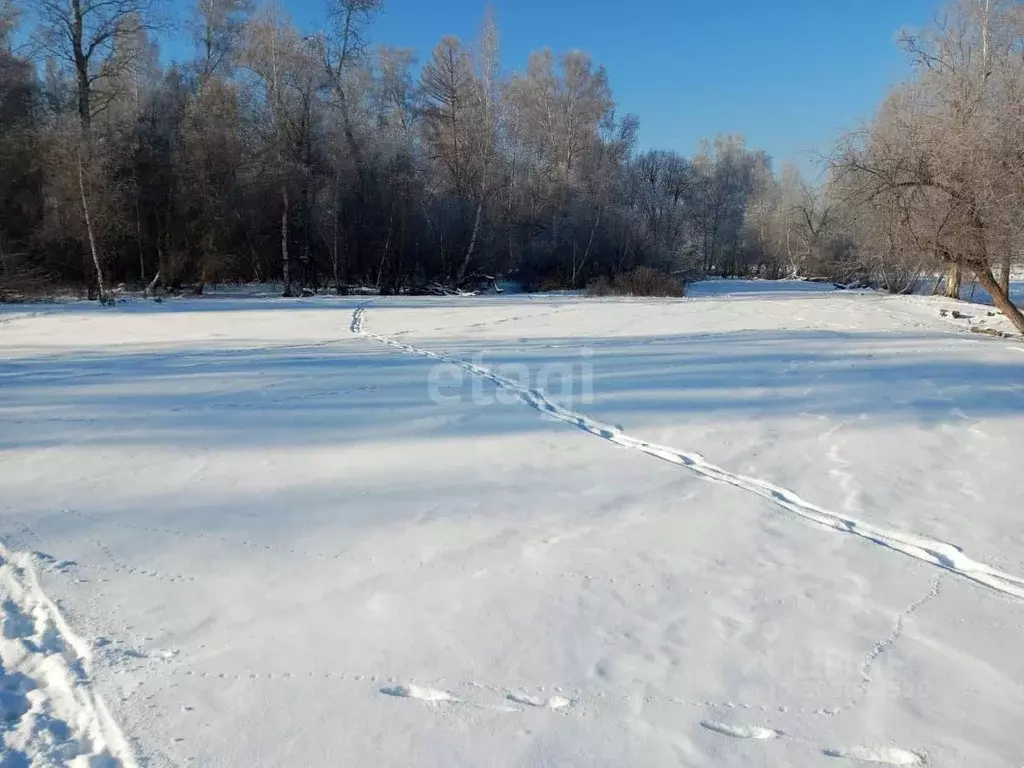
(770, 524)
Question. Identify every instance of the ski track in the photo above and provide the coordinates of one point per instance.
(940, 554)
(53, 713)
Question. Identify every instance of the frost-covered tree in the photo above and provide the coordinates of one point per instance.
(942, 158)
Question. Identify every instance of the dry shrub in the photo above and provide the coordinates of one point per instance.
(642, 281)
(24, 283)
(600, 286)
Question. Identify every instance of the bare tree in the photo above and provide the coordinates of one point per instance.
(485, 103)
(273, 50)
(343, 51)
(937, 152)
(83, 34)
(218, 29)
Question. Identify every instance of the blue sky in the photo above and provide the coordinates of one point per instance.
(790, 75)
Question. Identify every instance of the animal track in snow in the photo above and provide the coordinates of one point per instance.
(27, 316)
(936, 553)
(740, 731)
(180, 668)
(117, 565)
(409, 690)
(208, 535)
(878, 755)
(883, 645)
(437, 695)
(122, 567)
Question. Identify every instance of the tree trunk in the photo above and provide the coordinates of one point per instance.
(286, 266)
(472, 244)
(1004, 274)
(954, 279)
(138, 240)
(387, 247)
(590, 245)
(353, 145)
(100, 282)
(153, 284)
(163, 247)
(305, 263)
(793, 271)
(334, 242)
(999, 297)
(334, 260)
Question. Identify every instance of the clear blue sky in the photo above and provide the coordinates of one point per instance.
(790, 75)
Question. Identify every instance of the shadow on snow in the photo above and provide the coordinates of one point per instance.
(356, 390)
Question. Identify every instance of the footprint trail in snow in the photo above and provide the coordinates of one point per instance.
(50, 710)
(740, 731)
(555, 702)
(876, 755)
(937, 553)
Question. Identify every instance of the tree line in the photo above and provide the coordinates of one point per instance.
(318, 160)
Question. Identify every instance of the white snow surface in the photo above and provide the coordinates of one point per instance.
(769, 524)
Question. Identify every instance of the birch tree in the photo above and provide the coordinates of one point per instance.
(82, 34)
(272, 47)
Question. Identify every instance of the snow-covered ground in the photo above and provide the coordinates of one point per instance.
(770, 524)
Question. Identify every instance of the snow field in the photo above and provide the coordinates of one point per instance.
(282, 550)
